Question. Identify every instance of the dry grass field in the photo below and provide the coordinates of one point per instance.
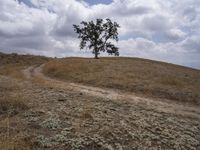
(140, 76)
(12, 101)
(12, 64)
(91, 104)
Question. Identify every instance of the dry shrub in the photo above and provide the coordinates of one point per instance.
(12, 106)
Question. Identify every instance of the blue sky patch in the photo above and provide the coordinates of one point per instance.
(93, 2)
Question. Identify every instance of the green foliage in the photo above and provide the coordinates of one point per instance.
(96, 36)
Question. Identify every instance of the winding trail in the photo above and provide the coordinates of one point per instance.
(167, 106)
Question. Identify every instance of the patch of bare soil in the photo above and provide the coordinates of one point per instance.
(63, 115)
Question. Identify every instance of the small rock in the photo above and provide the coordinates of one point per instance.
(113, 109)
(62, 99)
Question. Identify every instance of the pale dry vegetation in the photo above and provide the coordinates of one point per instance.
(140, 76)
(22, 59)
(43, 113)
(12, 103)
(12, 64)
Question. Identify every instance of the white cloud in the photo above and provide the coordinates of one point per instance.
(169, 52)
(156, 29)
(191, 43)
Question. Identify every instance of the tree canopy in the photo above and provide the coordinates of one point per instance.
(98, 36)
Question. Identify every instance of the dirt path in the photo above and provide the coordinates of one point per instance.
(163, 106)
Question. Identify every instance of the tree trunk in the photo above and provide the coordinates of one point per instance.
(96, 54)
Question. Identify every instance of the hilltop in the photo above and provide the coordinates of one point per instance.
(140, 76)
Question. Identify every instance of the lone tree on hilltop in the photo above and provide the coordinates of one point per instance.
(98, 36)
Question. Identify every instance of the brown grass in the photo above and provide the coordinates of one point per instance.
(27, 60)
(12, 103)
(145, 77)
(12, 64)
(13, 70)
(12, 142)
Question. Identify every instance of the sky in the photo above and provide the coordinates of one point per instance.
(155, 29)
(93, 2)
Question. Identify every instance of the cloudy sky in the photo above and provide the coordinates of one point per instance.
(155, 29)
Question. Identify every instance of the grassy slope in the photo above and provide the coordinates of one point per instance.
(149, 78)
(12, 102)
(12, 64)
(24, 108)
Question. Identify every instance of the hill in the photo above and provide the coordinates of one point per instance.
(140, 76)
(12, 64)
(67, 111)
(14, 58)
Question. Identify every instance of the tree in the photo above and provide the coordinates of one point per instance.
(98, 36)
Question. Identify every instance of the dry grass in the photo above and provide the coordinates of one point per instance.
(27, 60)
(12, 143)
(62, 118)
(13, 70)
(12, 103)
(12, 64)
(11, 100)
(150, 78)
